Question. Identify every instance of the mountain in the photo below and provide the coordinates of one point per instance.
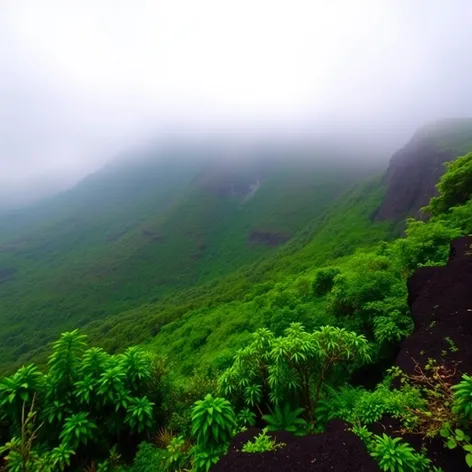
(157, 221)
(415, 169)
(165, 241)
(287, 319)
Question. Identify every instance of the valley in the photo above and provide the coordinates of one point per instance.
(266, 298)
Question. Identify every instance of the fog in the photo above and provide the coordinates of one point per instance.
(82, 81)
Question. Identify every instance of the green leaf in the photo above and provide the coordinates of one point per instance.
(468, 459)
(451, 443)
(445, 433)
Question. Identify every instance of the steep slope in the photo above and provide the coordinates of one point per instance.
(136, 232)
(440, 301)
(416, 168)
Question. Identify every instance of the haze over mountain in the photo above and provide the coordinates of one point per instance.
(218, 216)
(85, 81)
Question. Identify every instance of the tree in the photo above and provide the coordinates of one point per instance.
(455, 186)
(292, 367)
(87, 396)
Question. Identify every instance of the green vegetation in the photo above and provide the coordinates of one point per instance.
(262, 443)
(150, 239)
(281, 342)
(396, 456)
(455, 187)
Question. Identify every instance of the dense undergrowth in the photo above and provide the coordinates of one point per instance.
(148, 240)
(91, 410)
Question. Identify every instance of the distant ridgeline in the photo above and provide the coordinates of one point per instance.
(152, 225)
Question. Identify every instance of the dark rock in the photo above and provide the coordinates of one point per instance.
(337, 449)
(411, 178)
(267, 238)
(440, 300)
(415, 169)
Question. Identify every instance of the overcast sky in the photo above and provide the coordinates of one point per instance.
(83, 80)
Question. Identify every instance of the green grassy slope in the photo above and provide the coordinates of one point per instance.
(211, 333)
(131, 235)
(205, 323)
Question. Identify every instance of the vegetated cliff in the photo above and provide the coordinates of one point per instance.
(415, 169)
(441, 305)
(440, 300)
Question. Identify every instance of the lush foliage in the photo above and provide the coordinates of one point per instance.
(262, 443)
(87, 399)
(292, 341)
(455, 187)
(294, 366)
(213, 422)
(90, 256)
(284, 419)
(394, 455)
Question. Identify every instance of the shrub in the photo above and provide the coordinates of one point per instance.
(149, 458)
(262, 443)
(394, 455)
(463, 397)
(213, 422)
(246, 417)
(455, 185)
(296, 365)
(324, 280)
(285, 419)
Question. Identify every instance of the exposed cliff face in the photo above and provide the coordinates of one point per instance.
(441, 305)
(415, 169)
(440, 300)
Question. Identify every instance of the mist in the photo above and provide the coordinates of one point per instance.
(83, 81)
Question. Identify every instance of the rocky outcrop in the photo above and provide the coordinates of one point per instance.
(267, 238)
(410, 179)
(337, 449)
(415, 169)
(440, 300)
(441, 305)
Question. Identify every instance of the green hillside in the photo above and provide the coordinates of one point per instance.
(140, 229)
(305, 334)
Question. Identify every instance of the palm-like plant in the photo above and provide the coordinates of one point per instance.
(297, 364)
(86, 393)
(65, 359)
(394, 455)
(84, 389)
(94, 361)
(139, 413)
(253, 394)
(246, 417)
(77, 429)
(213, 422)
(285, 419)
(111, 388)
(136, 366)
(60, 456)
(19, 389)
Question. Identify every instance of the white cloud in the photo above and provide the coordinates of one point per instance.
(81, 79)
